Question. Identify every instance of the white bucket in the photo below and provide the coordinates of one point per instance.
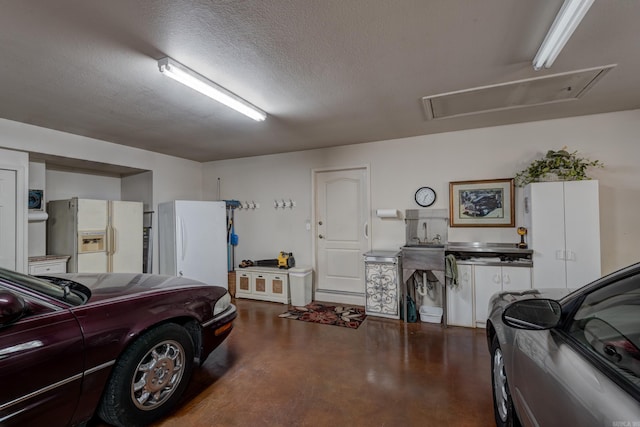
(430, 314)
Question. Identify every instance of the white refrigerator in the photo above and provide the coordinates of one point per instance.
(100, 236)
(192, 240)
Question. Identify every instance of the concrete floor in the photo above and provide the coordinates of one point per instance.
(281, 372)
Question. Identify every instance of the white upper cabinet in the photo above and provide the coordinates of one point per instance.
(563, 219)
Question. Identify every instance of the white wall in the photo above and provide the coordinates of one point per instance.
(399, 167)
(138, 188)
(37, 229)
(63, 185)
(173, 178)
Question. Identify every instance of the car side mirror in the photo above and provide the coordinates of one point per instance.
(532, 314)
(12, 307)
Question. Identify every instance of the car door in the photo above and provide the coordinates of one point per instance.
(588, 372)
(41, 365)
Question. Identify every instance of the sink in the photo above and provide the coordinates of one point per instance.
(423, 256)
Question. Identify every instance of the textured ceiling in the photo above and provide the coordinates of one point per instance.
(328, 72)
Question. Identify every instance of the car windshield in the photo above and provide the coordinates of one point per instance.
(60, 290)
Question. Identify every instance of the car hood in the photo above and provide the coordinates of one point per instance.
(112, 285)
(507, 297)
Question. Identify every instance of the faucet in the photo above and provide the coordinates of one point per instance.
(416, 238)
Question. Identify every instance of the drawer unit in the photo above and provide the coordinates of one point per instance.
(47, 265)
(263, 283)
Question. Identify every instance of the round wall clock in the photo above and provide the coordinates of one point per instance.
(425, 196)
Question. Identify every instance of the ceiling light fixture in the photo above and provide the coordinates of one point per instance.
(195, 81)
(570, 15)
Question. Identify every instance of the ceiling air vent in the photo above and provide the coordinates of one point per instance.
(521, 93)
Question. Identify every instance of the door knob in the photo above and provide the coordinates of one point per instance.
(319, 222)
(320, 236)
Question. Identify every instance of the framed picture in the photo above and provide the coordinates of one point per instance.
(485, 203)
(36, 200)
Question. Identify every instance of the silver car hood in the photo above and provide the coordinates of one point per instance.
(507, 297)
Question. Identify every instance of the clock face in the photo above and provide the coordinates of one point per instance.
(425, 196)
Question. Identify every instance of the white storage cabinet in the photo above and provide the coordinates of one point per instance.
(263, 283)
(563, 222)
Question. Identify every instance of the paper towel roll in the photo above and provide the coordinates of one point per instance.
(38, 216)
(387, 213)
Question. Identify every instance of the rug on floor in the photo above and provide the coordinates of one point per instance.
(340, 315)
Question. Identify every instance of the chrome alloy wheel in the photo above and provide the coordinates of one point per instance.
(157, 375)
(500, 385)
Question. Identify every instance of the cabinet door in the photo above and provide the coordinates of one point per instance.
(259, 284)
(460, 298)
(243, 283)
(516, 278)
(278, 286)
(488, 281)
(582, 232)
(544, 202)
(382, 292)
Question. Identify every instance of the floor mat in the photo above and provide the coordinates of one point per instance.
(340, 315)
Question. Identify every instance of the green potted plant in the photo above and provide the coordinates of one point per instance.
(558, 165)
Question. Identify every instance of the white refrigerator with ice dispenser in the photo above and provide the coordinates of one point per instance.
(192, 240)
(100, 236)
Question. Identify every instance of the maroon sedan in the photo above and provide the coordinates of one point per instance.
(119, 345)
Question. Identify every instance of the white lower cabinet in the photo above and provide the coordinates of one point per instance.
(48, 265)
(263, 283)
(489, 279)
(460, 298)
(468, 301)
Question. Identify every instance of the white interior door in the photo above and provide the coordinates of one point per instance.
(8, 219)
(342, 234)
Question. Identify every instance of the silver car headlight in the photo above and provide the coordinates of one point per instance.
(222, 304)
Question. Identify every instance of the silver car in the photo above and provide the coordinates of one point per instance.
(568, 360)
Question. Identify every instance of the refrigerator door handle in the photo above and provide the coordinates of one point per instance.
(112, 240)
(183, 238)
(110, 249)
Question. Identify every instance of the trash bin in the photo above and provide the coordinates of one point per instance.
(300, 285)
(430, 314)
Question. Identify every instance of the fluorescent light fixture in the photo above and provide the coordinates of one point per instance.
(195, 81)
(570, 15)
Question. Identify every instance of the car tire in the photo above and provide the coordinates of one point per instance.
(149, 378)
(502, 404)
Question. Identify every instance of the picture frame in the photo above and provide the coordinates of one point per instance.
(482, 203)
(36, 200)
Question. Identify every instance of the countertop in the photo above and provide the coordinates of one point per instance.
(490, 253)
(481, 247)
(41, 258)
(382, 254)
